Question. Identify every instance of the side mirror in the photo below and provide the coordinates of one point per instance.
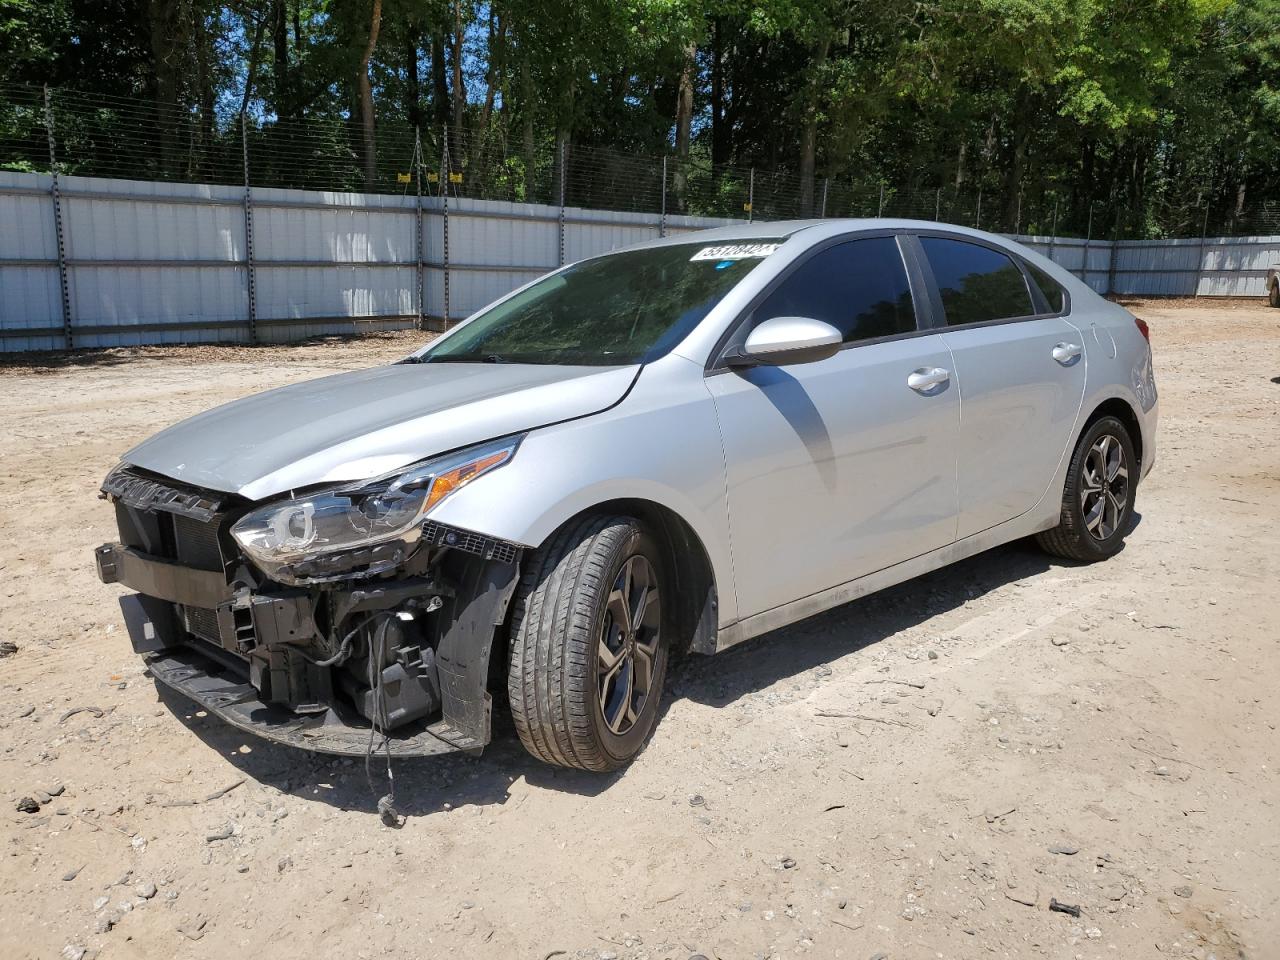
(785, 340)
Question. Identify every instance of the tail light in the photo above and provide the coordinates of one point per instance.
(1143, 328)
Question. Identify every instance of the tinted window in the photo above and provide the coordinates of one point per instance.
(976, 283)
(859, 287)
(1054, 295)
(628, 307)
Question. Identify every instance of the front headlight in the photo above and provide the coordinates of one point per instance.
(362, 516)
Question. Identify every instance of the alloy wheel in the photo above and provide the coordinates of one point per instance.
(1104, 487)
(628, 649)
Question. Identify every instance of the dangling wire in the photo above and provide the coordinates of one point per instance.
(378, 725)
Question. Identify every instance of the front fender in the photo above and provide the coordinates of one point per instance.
(661, 445)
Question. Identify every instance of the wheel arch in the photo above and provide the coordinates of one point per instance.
(1123, 411)
(686, 559)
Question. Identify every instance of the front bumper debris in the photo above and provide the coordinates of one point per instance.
(298, 665)
(336, 731)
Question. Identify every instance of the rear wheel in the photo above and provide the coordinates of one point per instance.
(588, 648)
(1097, 501)
(1273, 295)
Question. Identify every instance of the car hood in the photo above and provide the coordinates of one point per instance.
(358, 425)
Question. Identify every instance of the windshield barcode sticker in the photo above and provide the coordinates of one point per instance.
(735, 251)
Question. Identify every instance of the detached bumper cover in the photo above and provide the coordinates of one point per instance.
(219, 691)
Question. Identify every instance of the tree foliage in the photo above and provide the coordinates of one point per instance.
(1139, 116)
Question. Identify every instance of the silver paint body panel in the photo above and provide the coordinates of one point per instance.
(808, 485)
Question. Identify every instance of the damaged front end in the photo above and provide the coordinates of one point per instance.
(314, 619)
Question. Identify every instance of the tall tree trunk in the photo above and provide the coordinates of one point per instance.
(165, 28)
(480, 138)
(251, 71)
(719, 124)
(684, 120)
(459, 83)
(1017, 163)
(368, 134)
(960, 155)
(203, 43)
(564, 131)
(439, 80)
(280, 44)
(526, 118)
(412, 82)
(809, 128)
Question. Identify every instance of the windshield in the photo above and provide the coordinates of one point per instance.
(618, 309)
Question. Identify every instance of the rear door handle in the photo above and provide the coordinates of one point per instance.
(1064, 352)
(926, 378)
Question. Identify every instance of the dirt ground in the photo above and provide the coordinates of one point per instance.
(1012, 731)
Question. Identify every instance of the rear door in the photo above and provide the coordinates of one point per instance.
(1020, 369)
(841, 467)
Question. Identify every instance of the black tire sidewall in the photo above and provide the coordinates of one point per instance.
(622, 748)
(1273, 295)
(1071, 501)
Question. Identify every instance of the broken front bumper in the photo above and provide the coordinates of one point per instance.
(251, 673)
(219, 691)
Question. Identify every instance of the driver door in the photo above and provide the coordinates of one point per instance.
(838, 468)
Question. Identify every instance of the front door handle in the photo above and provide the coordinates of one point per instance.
(926, 378)
(1065, 353)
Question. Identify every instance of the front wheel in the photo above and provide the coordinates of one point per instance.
(1273, 295)
(588, 648)
(1097, 501)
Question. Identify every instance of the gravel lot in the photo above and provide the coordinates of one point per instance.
(914, 775)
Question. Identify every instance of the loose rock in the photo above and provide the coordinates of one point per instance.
(28, 805)
(1065, 849)
(145, 890)
(1071, 908)
(1182, 891)
(73, 873)
(8, 649)
(222, 833)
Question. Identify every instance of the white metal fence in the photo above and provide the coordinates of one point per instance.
(90, 262)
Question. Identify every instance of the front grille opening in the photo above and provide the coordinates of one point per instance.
(195, 543)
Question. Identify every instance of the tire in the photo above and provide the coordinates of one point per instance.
(1083, 532)
(573, 707)
(1273, 295)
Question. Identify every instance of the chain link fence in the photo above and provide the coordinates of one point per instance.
(102, 136)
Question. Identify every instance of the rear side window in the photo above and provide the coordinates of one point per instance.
(977, 283)
(859, 287)
(1054, 295)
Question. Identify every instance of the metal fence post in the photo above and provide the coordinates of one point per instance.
(444, 191)
(56, 197)
(662, 220)
(826, 185)
(1111, 259)
(561, 221)
(250, 280)
(977, 218)
(751, 195)
(1088, 238)
(1053, 229)
(417, 227)
(1204, 231)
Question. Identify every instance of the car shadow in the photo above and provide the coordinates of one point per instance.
(427, 785)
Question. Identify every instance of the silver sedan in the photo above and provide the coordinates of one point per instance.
(662, 450)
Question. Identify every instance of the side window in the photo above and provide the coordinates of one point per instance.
(859, 287)
(1054, 295)
(976, 282)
